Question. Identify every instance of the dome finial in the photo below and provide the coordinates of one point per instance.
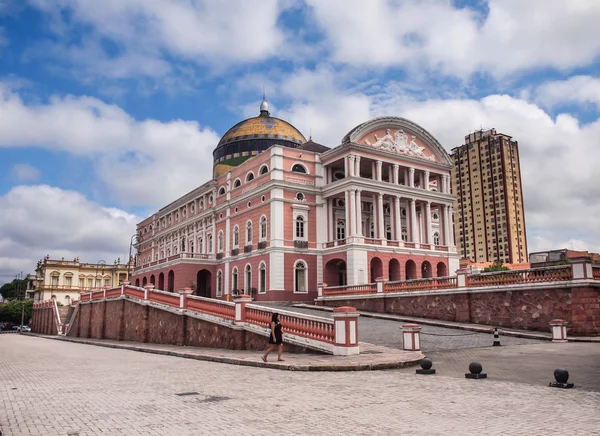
(264, 106)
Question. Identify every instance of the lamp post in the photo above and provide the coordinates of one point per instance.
(103, 263)
(137, 241)
(17, 285)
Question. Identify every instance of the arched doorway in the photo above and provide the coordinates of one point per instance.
(335, 273)
(203, 281)
(394, 270)
(442, 270)
(426, 270)
(144, 281)
(152, 280)
(376, 269)
(411, 270)
(248, 280)
(161, 281)
(171, 281)
(137, 282)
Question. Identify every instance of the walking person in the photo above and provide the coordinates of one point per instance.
(275, 339)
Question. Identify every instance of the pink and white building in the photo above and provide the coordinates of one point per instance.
(283, 214)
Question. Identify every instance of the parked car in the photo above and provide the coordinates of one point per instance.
(26, 328)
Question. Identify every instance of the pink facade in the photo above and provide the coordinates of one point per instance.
(288, 218)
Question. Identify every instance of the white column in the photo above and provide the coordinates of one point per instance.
(411, 177)
(352, 212)
(445, 217)
(379, 164)
(331, 219)
(397, 219)
(351, 165)
(444, 181)
(358, 213)
(346, 174)
(450, 226)
(396, 175)
(380, 221)
(357, 166)
(374, 218)
(413, 221)
(429, 236)
(426, 180)
(347, 212)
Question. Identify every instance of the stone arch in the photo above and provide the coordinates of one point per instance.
(394, 270)
(442, 270)
(335, 273)
(137, 282)
(161, 281)
(376, 269)
(410, 269)
(152, 280)
(171, 281)
(426, 270)
(144, 281)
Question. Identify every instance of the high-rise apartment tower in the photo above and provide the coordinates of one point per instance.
(489, 224)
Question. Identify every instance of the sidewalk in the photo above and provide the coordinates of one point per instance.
(371, 357)
(480, 328)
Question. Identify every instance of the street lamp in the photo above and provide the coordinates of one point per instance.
(103, 263)
(19, 277)
(138, 239)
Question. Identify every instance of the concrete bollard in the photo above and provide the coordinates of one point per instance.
(562, 379)
(426, 364)
(345, 321)
(475, 369)
(559, 330)
(411, 337)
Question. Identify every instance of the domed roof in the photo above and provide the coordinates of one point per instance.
(263, 126)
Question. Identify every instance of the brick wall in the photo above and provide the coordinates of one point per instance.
(128, 321)
(520, 309)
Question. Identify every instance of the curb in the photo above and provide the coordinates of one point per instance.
(241, 362)
(436, 323)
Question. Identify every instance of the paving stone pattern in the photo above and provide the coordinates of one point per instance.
(60, 388)
(389, 334)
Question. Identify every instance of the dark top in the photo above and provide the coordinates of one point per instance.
(278, 335)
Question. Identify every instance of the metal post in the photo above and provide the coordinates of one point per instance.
(137, 238)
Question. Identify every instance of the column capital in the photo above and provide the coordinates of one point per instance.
(351, 157)
(426, 172)
(380, 195)
(411, 169)
(379, 162)
(395, 166)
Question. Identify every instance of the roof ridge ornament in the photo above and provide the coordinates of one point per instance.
(264, 106)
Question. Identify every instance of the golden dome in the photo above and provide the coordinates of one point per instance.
(263, 126)
(252, 136)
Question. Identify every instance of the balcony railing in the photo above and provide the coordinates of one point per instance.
(301, 244)
(596, 272)
(420, 284)
(235, 251)
(262, 245)
(535, 275)
(248, 248)
(369, 288)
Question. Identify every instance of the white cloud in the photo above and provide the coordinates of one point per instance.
(514, 36)
(40, 220)
(143, 33)
(141, 162)
(24, 173)
(578, 90)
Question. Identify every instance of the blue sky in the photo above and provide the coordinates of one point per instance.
(109, 110)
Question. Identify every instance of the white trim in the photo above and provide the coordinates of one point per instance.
(262, 265)
(235, 271)
(248, 174)
(247, 286)
(262, 238)
(219, 289)
(246, 241)
(235, 181)
(233, 234)
(305, 276)
(260, 173)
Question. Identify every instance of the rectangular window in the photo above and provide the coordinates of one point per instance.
(68, 281)
(81, 283)
(262, 286)
(90, 283)
(54, 280)
(106, 282)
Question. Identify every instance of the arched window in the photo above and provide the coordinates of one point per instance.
(388, 233)
(263, 170)
(300, 227)
(222, 191)
(249, 233)
(236, 236)
(247, 279)
(404, 235)
(300, 272)
(262, 278)
(341, 229)
(436, 238)
(298, 168)
(220, 241)
(249, 176)
(234, 279)
(237, 183)
(263, 228)
(219, 283)
(183, 245)
(191, 245)
(210, 241)
(200, 245)
(372, 231)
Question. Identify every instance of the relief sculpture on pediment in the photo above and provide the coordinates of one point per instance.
(399, 143)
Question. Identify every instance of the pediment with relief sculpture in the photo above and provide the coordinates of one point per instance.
(398, 135)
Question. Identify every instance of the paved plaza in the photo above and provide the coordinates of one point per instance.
(50, 387)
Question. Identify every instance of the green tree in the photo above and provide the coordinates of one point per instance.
(495, 267)
(9, 290)
(11, 311)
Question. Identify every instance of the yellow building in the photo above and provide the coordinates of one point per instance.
(65, 279)
(490, 219)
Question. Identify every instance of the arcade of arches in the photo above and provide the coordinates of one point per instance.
(202, 286)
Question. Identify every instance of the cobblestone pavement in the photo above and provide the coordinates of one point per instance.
(388, 333)
(61, 388)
